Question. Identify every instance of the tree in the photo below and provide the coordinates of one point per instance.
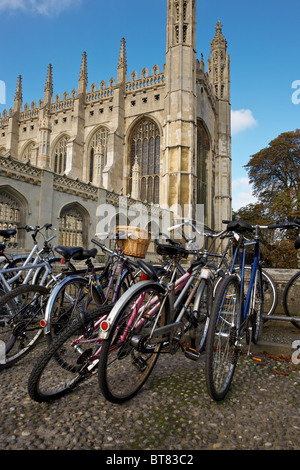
(274, 173)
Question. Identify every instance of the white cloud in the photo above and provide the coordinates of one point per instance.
(41, 7)
(242, 193)
(241, 120)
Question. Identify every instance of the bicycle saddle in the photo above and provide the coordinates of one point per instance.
(171, 250)
(68, 252)
(85, 254)
(239, 226)
(8, 233)
(297, 243)
(153, 272)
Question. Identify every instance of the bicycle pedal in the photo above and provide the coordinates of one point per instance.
(257, 357)
(192, 354)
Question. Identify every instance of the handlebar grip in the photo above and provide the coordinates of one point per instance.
(174, 227)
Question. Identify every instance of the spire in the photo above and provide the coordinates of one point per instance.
(48, 91)
(18, 95)
(122, 66)
(83, 77)
(219, 40)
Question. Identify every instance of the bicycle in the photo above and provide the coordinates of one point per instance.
(152, 318)
(237, 315)
(22, 312)
(22, 309)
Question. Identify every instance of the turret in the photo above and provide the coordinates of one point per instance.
(219, 65)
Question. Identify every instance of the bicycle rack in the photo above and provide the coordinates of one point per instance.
(280, 317)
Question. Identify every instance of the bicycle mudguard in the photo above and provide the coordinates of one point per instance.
(52, 298)
(105, 326)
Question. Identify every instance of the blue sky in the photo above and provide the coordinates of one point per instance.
(263, 44)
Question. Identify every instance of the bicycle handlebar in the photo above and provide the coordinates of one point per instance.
(205, 234)
(37, 228)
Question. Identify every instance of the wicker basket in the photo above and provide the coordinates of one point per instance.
(138, 242)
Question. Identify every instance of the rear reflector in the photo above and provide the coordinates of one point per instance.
(104, 325)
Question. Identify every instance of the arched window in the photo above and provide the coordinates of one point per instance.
(12, 213)
(73, 226)
(26, 154)
(203, 148)
(97, 155)
(60, 155)
(144, 143)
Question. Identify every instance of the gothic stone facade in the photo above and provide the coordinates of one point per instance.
(161, 137)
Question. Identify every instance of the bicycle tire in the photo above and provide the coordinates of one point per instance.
(74, 299)
(55, 263)
(21, 312)
(257, 312)
(124, 365)
(221, 357)
(49, 380)
(291, 298)
(201, 313)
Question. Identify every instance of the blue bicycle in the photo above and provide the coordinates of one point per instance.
(236, 318)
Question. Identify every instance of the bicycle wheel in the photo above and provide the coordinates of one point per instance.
(50, 378)
(73, 299)
(291, 299)
(43, 276)
(128, 356)
(21, 311)
(221, 354)
(256, 308)
(201, 314)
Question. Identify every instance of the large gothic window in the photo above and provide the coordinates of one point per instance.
(60, 155)
(144, 148)
(97, 156)
(72, 227)
(202, 164)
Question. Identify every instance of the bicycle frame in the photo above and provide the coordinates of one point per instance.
(256, 269)
(36, 265)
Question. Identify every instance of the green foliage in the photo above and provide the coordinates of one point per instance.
(275, 175)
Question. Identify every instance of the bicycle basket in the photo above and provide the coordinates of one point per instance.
(136, 244)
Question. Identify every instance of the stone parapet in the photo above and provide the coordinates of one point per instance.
(281, 277)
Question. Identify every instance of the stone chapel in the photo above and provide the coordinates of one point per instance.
(160, 137)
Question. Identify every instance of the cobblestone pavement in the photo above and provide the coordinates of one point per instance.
(172, 412)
